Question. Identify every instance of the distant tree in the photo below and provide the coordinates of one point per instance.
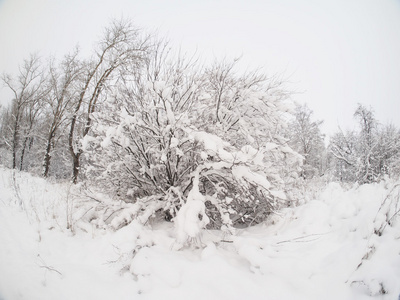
(28, 93)
(387, 153)
(4, 133)
(306, 138)
(366, 156)
(367, 145)
(343, 148)
(29, 130)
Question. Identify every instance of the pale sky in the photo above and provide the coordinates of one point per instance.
(337, 53)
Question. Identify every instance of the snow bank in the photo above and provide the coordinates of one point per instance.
(342, 245)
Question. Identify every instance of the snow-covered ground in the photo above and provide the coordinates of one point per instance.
(343, 245)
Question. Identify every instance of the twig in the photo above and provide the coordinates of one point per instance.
(44, 266)
(51, 269)
(302, 237)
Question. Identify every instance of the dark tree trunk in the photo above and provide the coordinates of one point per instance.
(21, 164)
(14, 144)
(46, 161)
(75, 167)
(47, 156)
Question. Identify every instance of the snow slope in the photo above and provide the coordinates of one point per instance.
(334, 247)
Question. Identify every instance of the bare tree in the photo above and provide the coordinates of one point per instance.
(366, 156)
(306, 138)
(33, 111)
(368, 125)
(235, 106)
(62, 83)
(367, 144)
(122, 46)
(28, 90)
(4, 124)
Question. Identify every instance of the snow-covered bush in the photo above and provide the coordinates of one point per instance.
(173, 132)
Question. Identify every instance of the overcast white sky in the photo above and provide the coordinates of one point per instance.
(338, 52)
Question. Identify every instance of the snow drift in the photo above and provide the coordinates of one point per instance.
(55, 244)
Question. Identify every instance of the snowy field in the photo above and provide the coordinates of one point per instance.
(343, 245)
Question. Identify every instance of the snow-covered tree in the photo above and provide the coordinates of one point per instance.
(28, 91)
(5, 120)
(306, 138)
(366, 156)
(388, 151)
(63, 90)
(123, 46)
(367, 144)
(343, 147)
(205, 143)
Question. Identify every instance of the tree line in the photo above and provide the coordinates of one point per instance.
(151, 126)
(53, 100)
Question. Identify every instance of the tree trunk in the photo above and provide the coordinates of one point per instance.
(47, 156)
(21, 164)
(14, 163)
(75, 156)
(46, 160)
(75, 167)
(14, 144)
